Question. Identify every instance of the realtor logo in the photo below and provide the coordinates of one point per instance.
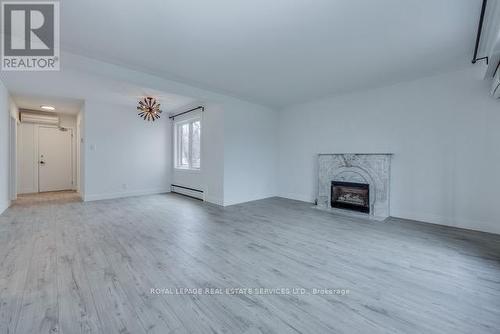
(30, 35)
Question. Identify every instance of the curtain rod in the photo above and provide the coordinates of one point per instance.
(479, 31)
(185, 112)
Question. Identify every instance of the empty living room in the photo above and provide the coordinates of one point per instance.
(286, 166)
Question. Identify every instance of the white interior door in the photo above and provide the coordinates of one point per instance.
(54, 165)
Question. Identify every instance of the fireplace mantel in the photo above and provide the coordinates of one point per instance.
(370, 168)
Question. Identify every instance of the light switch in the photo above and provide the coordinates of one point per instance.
(92, 147)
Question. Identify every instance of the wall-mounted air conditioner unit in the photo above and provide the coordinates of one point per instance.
(27, 117)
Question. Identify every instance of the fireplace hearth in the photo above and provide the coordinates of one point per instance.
(350, 196)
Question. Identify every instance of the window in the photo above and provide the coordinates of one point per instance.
(188, 144)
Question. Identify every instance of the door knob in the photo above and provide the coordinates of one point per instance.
(42, 162)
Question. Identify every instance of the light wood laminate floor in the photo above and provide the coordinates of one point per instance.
(72, 267)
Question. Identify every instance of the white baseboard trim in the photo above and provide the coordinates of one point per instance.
(99, 197)
(214, 200)
(258, 198)
(481, 226)
(297, 197)
(4, 206)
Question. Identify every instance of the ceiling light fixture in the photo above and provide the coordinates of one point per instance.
(149, 109)
(48, 108)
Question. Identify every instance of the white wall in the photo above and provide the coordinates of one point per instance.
(70, 122)
(250, 153)
(4, 148)
(238, 161)
(443, 130)
(124, 155)
(79, 152)
(27, 163)
(239, 157)
(213, 154)
(14, 126)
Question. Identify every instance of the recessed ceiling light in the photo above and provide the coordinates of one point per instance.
(48, 108)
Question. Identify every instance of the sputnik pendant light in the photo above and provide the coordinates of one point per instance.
(149, 109)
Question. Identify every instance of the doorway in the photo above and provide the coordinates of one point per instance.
(46, 156)
(55, 171)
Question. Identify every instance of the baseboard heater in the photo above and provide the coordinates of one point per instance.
(189, 192)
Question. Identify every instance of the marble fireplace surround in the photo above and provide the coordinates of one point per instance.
(371, 168)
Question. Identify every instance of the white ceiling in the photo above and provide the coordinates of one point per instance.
(62, 105)
(68, 89)
(278, 52)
